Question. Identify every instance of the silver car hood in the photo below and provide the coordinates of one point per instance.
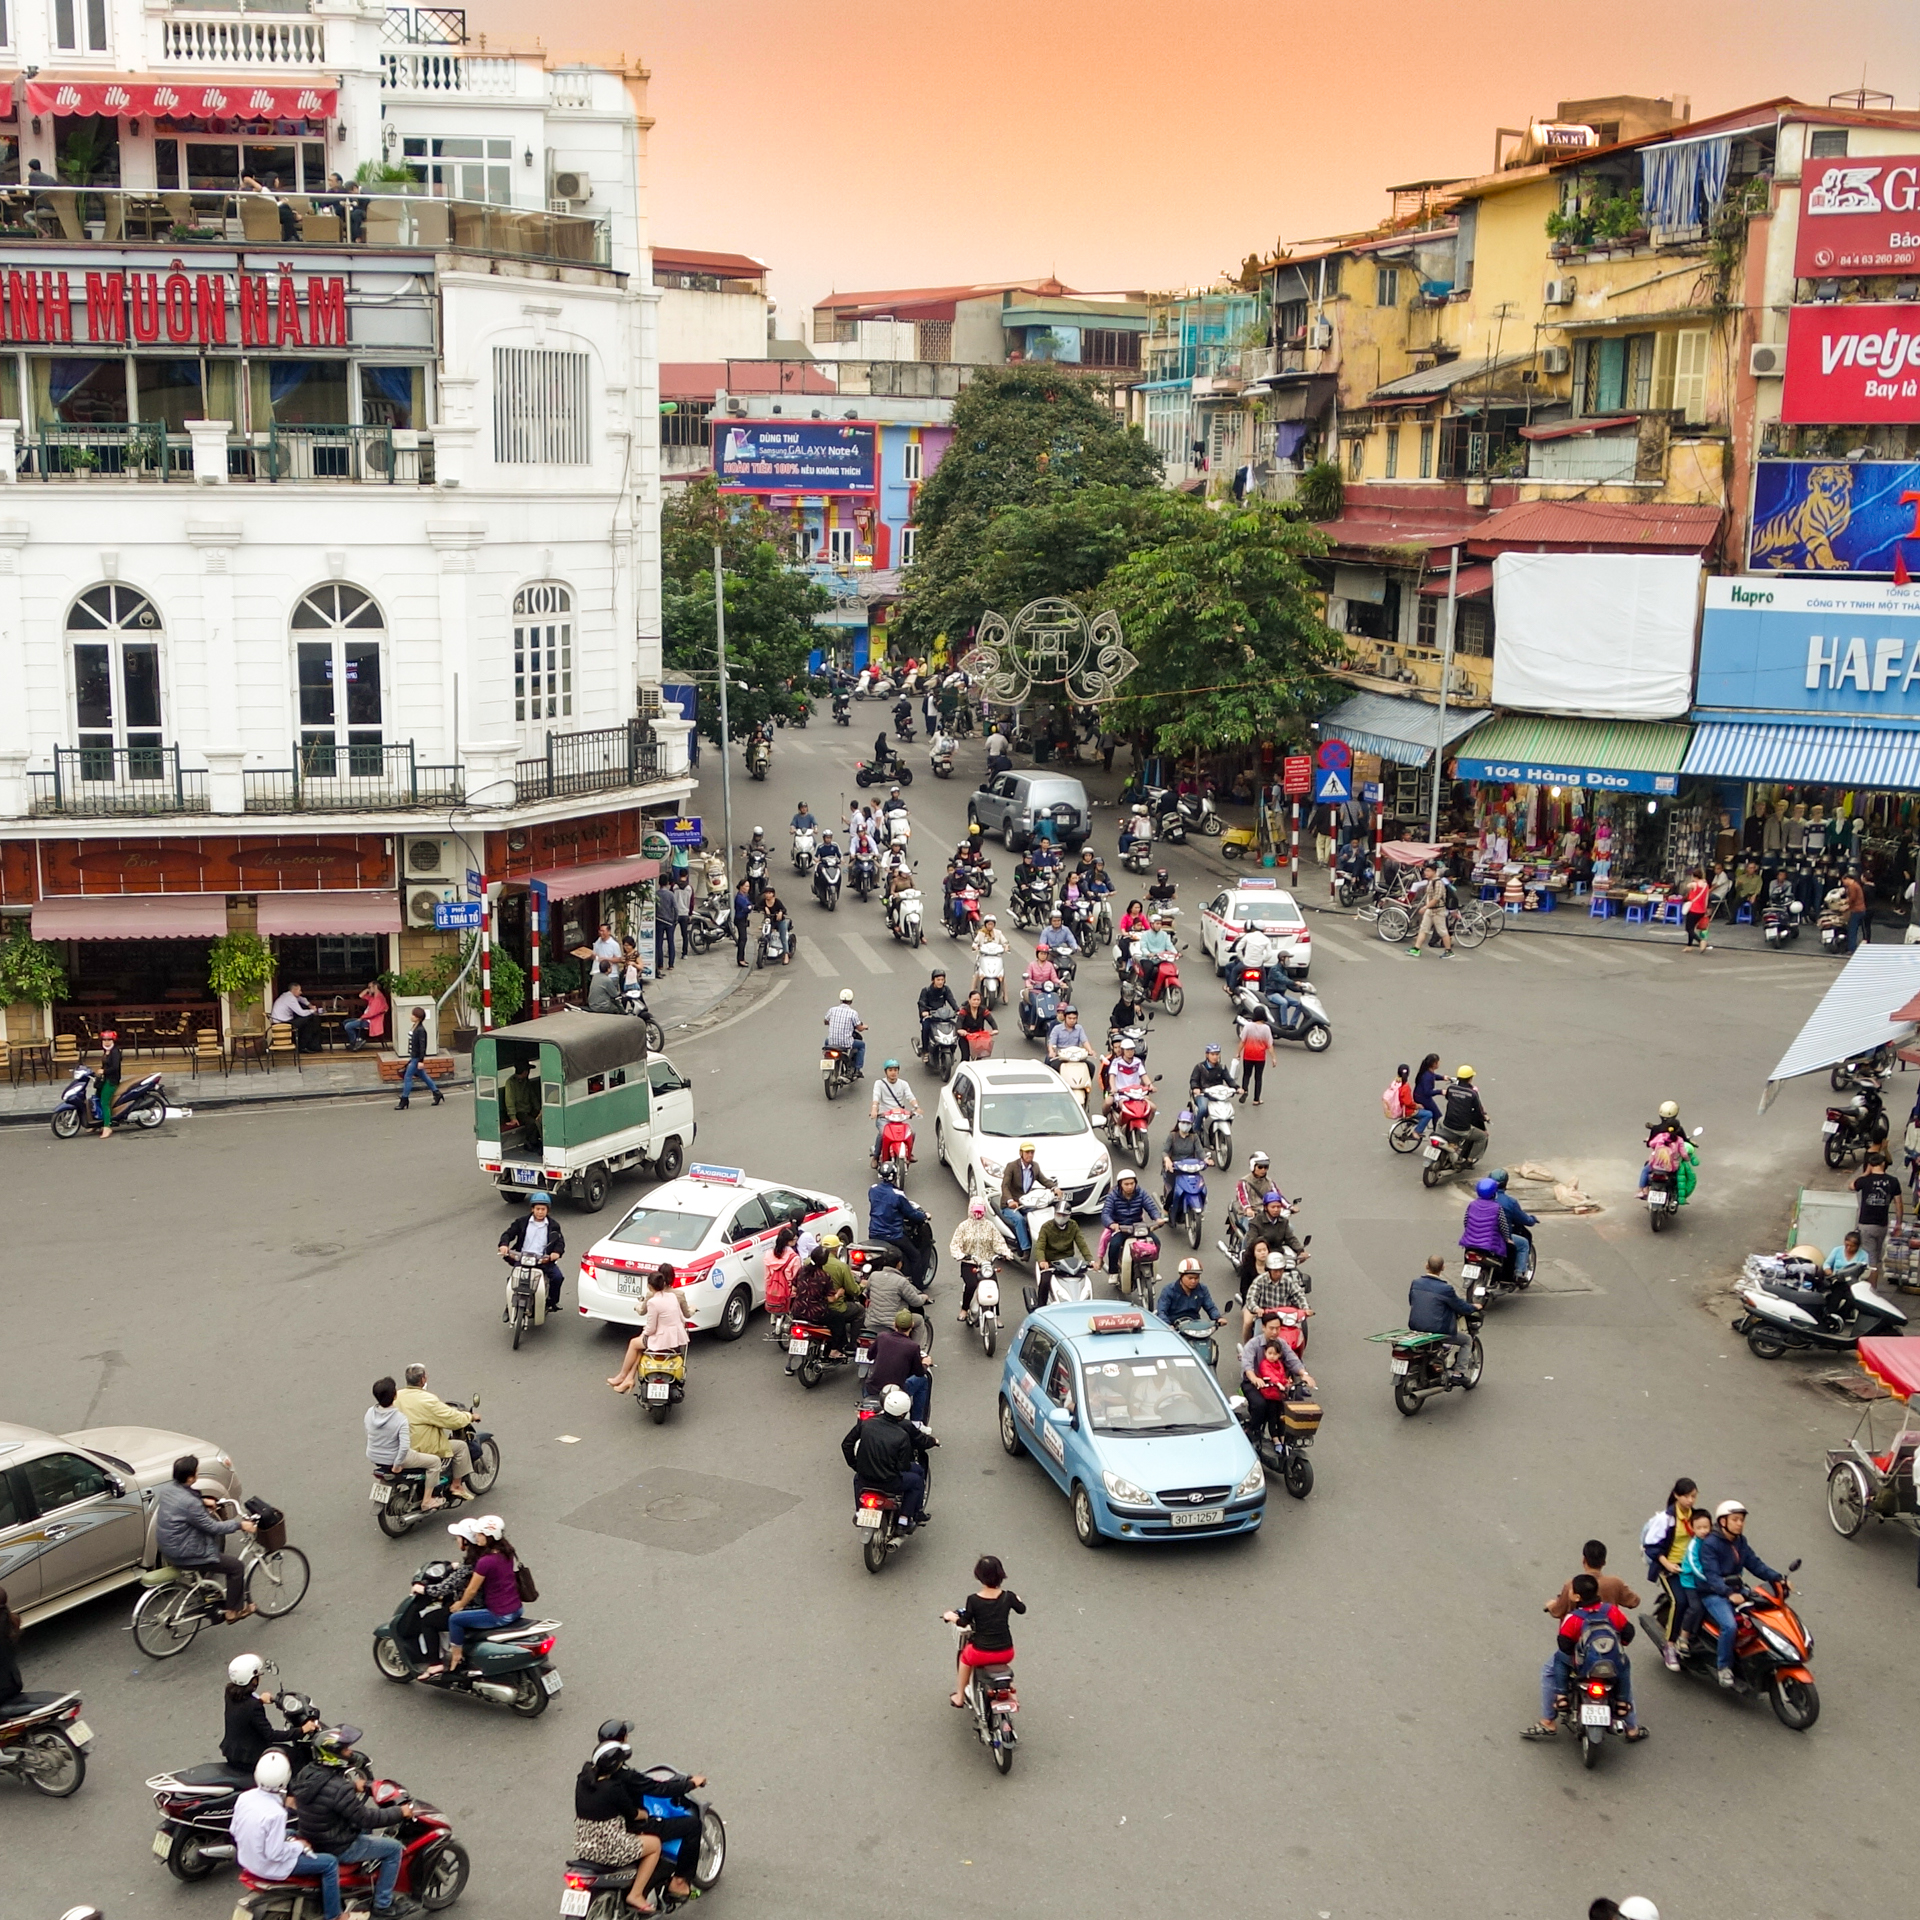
(151, 1452)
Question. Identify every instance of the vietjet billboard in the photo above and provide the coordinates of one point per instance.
(1858, 215)
(1852, 365)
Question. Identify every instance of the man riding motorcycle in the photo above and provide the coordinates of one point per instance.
(1519, 1224)
(1185, 1297)
(844, 1029)
(1125, 1074)
(892, 1099)
(538, 1233)
(887, 1454)
(1209, 1074)
(1724, 1556)
(1434, 1307)
(892, 1217)
(1020, 1179)
(262, 1843)
(337, 1814)
(936, 1002)
(1463, 1117)
(1059, 1238)
(1129, 1213)
(1268, 1369)
(1153, 946)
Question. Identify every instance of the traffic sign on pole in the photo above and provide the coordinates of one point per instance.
(1332, 785)
(1296, 776)
(1333, 753)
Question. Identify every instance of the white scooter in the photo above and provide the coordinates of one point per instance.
(993, 974)
(943, 750)
(1073, 1068)
(903, 916)
(803, 850)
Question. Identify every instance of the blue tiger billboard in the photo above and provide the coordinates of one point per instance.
(1834, 516)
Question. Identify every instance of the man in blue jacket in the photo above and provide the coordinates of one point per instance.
(1519, 1224)
(188, 1534)
(1129, 1213)
(1724, 1557)
(1434, 1307)
(891, 1216)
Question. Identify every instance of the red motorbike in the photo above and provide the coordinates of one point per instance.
(896, 1149)
(1157, 982)
(963, 913)
(1127, 1129)
(433, 1868)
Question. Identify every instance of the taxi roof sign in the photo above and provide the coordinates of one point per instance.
(1255, 886)
(1116, 1323)
(717, 1176)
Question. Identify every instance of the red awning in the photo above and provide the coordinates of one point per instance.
(365, 912)
(125, 95)
(1567, 429)
(1894, 1363)
(569, 883)
(1596, 526)
(1473, 581)
(133, 916)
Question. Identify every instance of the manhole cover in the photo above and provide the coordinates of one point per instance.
(319, 1250)
(681, 1511)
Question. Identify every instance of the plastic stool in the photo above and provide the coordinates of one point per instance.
(1671, 912)
(1489, 889)
(1636, 914)
(1601, 908)
(1744, 918)
(1547, 901)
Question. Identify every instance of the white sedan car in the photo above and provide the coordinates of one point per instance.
(715, 1228)
(990, 1106)
(1256, 903)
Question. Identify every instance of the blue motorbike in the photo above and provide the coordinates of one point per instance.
(1037, 1011)
(1187, 1203)
(596, 1892)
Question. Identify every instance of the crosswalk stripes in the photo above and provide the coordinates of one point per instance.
(814, 960)
(865, 954)
(1494, 951)
(1338, 948)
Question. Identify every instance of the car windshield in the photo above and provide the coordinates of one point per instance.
(656, 1227)
(1267, 913)
(1158, 1395)
(1047, 1111)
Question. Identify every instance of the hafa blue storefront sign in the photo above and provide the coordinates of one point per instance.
(1794, 648)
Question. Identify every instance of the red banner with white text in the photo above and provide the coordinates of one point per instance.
(123, 96)
(1852, 364)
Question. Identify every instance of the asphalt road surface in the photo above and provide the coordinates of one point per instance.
(1321, 1721)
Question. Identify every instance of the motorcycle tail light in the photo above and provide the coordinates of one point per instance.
(873, 1500)
(1597, 1689)
(579, 1882)
(543, 1647)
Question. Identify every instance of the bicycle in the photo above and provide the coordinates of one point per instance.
(179, 1601)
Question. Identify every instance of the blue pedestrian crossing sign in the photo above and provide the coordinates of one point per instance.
(1331, 785)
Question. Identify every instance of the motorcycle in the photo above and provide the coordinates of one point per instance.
(983, 1310)
(963, 913)
(1188, 812)
(1593, 1705)
(826, 879)
(595, 1892)
(1776, 1323)
(1203, 1337)
(942, 760)
(1187, 1204)
(143, 1104)
(1862, 1068)
(44, 1742)
(526, 1296)
(1216, 1124)
(893, 772)
(943, 1047)
(1138, 857)
(1128, 1126)
(903, 723)
(1294, 1012)
(802, 851)
(993, 1700)
(1074, 1067)
(1421, 1366)
(1771, 1645)
(1234, 1242)
(993, 977)
(1164, 990)
(877, 1514)
(1139, 1275)
(759, 759)
(1352, 889)
(1038, 1008)
(1850, 1131)
(1663, 1193)
(1032, 902)
(506, 1665)
(863, 875)
(633, 1001)
(757, 863)
(195, 1838)
(842, 708)
(836, 1070)
(1440, 1158)
(662, 1384)
(773, 944)
(1476, 1276)
(903, 917)
(896, 1150)
(1285, 1457)
(1780, 926)
(1069, 1280)
(397, 1492)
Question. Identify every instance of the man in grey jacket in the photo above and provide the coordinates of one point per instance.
(188, 1533)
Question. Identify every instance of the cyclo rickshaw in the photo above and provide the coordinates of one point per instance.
(1864, 1478)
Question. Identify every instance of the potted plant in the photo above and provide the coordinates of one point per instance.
(83, 462)
(239, 967)
(32, 974)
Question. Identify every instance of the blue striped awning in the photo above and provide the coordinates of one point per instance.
(1397, 729)
(1884, 758)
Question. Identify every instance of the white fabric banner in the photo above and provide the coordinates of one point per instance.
(1604, 635)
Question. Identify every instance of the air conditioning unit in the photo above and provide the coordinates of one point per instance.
(1555, 359)
(421, 901)
(1768, 360)
(1560, 292)
(572, 186)
(738, 408)
(429, 859)
(1321, 334)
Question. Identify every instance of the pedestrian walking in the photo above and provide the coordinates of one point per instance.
(683, 907)
(1433, 911)
(110, 1072)
(1881, 1204)
(1256, 1042)
(666, 913)
(742, 913)
(1695, 909)
(417, 1064)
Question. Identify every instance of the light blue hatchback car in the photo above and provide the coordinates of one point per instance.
(1131, 1426)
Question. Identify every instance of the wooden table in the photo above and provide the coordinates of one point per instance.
(33, 1055)
(249, 1046)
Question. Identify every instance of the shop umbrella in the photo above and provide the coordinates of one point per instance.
(1895, 1363)
(1865, 1008)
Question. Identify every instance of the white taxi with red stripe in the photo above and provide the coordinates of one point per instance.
(1257, 903)
(715, 1228)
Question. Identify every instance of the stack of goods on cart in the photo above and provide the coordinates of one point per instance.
(1900, 1257)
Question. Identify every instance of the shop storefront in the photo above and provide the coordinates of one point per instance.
(571, 875)
(1584, 803)
(1393, 741)
(1808, 704)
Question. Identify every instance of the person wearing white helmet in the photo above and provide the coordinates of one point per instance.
(1185, 1297)
(844, 1028)
(1724, 1557)
(494, 1584)
(887, 1455)
(1632, 1908)
(249, 1733)
(263, 1839)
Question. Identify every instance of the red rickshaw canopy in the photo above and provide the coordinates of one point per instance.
(1895, 1363)
(1410, 853)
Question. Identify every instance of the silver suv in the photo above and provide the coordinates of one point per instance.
(1009, 803)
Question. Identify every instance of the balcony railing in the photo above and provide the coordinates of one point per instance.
(96, 782)
(425, 27)
(152, 454)
(247, 43)
(487, 76)
(591, 762)
(344, 221)
(350, 779)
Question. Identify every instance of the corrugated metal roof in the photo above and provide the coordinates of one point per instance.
(1620, 746)
(1629, 526)
(1883, 758)
(1395, 729)
(1442, 379)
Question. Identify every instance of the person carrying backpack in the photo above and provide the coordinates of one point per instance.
(1594, 1629)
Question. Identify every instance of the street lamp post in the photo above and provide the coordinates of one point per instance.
(726, 772)
(1446, 674)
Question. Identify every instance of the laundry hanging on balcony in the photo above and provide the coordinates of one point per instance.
(125, 96)
(1683, 180)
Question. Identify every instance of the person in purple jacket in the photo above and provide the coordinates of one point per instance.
(1485, 1230)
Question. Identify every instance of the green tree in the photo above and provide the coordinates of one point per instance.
(1024, 437)
(1221, 613)
(770, 606)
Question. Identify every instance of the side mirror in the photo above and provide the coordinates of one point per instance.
(1698, 1131)
(1307, 1242)
(118, 1486)
(1062, 1418)
(1232, 1300)
(1793, 1566)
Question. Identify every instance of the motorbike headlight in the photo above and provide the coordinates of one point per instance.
(1256, 1479)
(1777, 1643)
(1124, 1491)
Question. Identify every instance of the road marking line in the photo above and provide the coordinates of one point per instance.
(1505, 959)
(1539, 952)
(817, 962)
(865, 954)
(1338, 948)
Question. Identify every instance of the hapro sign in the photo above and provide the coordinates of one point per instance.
(1852, 365)
(1791, 649)
(1858, 215)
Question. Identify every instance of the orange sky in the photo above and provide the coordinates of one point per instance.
(1139, 143)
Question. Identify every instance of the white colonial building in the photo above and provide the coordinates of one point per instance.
(329, 567)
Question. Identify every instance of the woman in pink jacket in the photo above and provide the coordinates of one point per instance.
(372, 1024)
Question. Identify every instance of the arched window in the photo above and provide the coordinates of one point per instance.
(543, 652)
(337, 632)
(115, 633)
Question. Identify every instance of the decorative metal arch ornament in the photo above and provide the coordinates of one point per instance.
(1049, 643)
